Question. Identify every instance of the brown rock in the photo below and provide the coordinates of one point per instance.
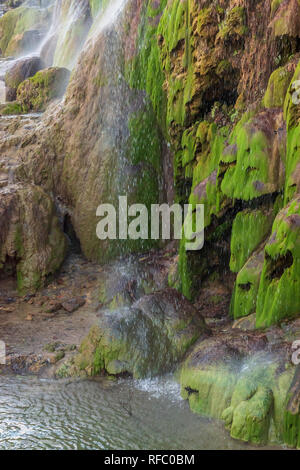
(72, 305)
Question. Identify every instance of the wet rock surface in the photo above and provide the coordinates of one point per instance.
(22, 69)
(66, 309)
(32, 244)
(148, 338)
(218, 82)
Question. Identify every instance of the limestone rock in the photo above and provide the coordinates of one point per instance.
(20, 29)
(278, 296)
(32, 245)
(22, 69)
(36, 92)
(148, 338)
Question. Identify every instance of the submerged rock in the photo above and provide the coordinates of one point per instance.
(146, 339)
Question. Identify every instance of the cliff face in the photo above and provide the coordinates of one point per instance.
(228, 72)
(193, 101)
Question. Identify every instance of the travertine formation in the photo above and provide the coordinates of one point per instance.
(196, 101)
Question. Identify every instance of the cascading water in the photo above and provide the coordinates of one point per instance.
(70, 25)
(71, 28)
(106, 17)
(8, 62)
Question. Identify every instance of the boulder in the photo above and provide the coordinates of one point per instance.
(230, 377)
(146, 339)
(36, 93)
(20, 71)
(32, 245)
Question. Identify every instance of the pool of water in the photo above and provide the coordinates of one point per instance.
(123, 415)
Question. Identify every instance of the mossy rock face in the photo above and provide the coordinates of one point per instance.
(292, 413)
(285, 18)
(227, 378)
(20, 71)
(250, 228)
(208, 389)
(246, 287)
(277, 87)
(144, 70)
(35, 93)
(292, 182)
(210, 373)
(15, 26)
(203, 146)
(292, 116)
(278, 296)
(146, 339)
(12, 108)
(249, 415)
(127, 155)
(255, 165)
(291, 103)
(194, 79)
(32, 242)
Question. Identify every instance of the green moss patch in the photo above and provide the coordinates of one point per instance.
(278, 296)
(35, 93)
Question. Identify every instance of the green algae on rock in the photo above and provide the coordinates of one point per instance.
(12, 108)
(246, 287)
(35, 93)
(292, 413)
(278, 296)
(32, 242)
(23, 69)
(248, 394)
(146, 339)
(250, 228)
(256, 167)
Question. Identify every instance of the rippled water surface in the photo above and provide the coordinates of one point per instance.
(46, 414)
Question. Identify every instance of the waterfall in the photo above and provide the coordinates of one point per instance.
(50, 36)
(72, 28)
(106, 17)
